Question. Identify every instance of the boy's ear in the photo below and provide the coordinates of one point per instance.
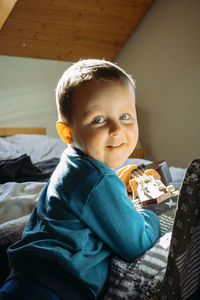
(64, 132)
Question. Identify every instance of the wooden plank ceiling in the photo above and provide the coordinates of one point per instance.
(68, 30)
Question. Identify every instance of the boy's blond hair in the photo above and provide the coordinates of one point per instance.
(81, 72)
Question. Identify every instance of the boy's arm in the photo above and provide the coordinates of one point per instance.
(111, 215)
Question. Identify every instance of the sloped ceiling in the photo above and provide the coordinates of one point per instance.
(68, 30)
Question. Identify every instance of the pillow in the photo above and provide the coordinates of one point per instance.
(38, 147)
(7, 150)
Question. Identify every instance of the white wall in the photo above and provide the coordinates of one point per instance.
(27, 92)
(163, 55)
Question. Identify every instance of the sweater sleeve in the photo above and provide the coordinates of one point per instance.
(110, 213)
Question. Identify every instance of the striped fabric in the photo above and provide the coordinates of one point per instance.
(166, 222)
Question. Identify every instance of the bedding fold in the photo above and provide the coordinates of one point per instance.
(21, 169)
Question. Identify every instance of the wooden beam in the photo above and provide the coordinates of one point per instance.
(19, 130)
(5, 9)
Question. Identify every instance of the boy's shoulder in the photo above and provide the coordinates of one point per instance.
(77, 171)
(80, 161)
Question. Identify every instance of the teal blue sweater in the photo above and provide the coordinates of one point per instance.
(82, 217)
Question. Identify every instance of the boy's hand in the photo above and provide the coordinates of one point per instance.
(154, 173)
(133, 185)
(125, 175)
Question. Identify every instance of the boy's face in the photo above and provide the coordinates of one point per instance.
(104, 122)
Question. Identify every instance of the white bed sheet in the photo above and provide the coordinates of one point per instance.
(17, 201)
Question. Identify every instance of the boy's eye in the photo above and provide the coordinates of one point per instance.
(124, 117)
(99, 120)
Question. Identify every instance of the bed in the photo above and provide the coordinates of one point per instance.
(169, 270)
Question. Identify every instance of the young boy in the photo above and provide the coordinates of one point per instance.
(84, 214)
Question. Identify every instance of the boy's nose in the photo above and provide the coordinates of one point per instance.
(114, 129)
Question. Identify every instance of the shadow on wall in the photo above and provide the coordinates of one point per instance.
(144, 124)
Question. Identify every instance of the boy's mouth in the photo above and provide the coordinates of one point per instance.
(117, 146)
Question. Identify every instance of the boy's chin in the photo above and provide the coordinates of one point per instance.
(116, 164)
